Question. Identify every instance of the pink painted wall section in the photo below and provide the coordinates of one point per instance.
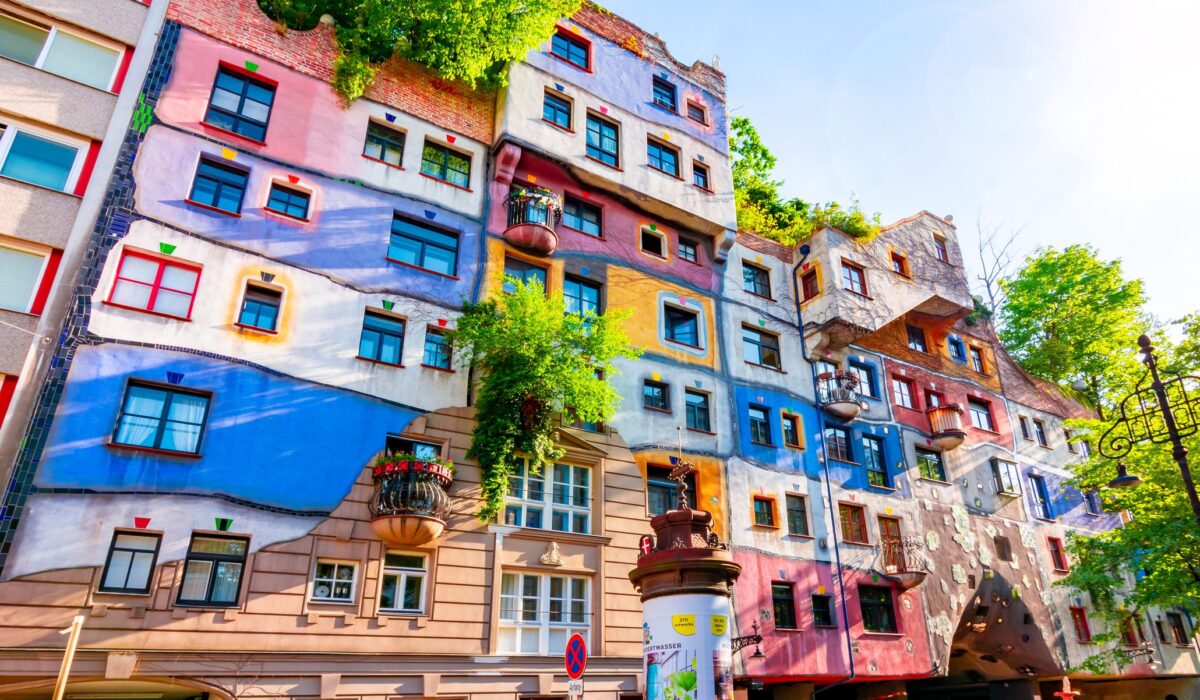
(906, 653)
(621, 226)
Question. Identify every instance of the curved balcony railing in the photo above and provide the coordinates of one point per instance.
(946, 426)
(839, 395)
(532, 216)
(901, 559)
(409, 503)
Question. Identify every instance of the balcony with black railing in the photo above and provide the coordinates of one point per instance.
(409, 503)
(839, 395)
(532, 215)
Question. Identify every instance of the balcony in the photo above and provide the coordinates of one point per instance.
(409, 504)
(838, 394)
(945, 423)
(901, 561)
(532, 215)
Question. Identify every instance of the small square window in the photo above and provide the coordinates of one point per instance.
(797, 515)
(760, 425)
(212, 572)
(756, 280)
(1006, 476)
(582, 216)
(162, 418)
(260, 308)
(240, 104)
(700, 176)
(218, 186)
(664, 94)
(130, 563)
(697, 113)
(764, 511)
(930, 466)
(334, 582)
(556, 110)
(654, 243)
(384, 144)
(791, 430)
(39, 160)
(438, 352)
(444, 164)
(916, 339)
(662, 493)
(682, 326)
(854, 278)
(570, 49)
(1003, 548)
(687, 250)
(382, 338)
(662, 157)
(581, 296)
(810, 285)
(656, 396)
(696, 403)
(289, 202)
(783, 603)
(27, 271)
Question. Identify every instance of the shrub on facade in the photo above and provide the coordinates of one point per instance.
(532, 358)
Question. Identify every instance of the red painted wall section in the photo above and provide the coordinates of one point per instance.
(89, 164)
(8, 385)
(953, 392)
(47, 283)
(620, 224)
(123, 70)
(399, 84)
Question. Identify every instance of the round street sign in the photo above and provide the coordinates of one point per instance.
(575, 657)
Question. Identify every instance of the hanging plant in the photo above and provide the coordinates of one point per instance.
(538, 197)
(532, 358)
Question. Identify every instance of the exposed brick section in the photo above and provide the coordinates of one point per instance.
(622, 32)
(399, 84)
(1021, 387)
(765, 246)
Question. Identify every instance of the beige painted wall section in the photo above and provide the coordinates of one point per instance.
(116, 19)
(46, 98)
(16, 335)
(35, 213)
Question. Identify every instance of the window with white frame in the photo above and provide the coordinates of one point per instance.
(538, 614)
(58, 51)
(333, 581)
(404, 577)
(23, 269)
(39, 157)
(568, 508)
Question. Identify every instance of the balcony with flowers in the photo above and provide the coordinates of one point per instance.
(409, 503)
(839, 395)
(533, 213)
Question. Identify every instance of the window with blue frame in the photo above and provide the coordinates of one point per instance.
(556, 110)
(837, 444)
(1041, 497)
(581, 216)
(877, 474)
(958, 349)
(662, 157)
(287, 201)
(437, 349)
(581, 296)
(866, 378)
(424, 247)
(1091, 503)
(240, 104)
(665, 95)
(696, 405)
(162, 418)
(260, 308)
(522, 271)
(760, 425)
(571, 50)
(682, 326)
(441, 163)
(218, 186)
(382, 338)
(603, 143)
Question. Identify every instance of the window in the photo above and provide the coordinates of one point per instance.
(581, 216)
(837, 444)
(653, 242)
(916, 339)
(1039, 429)
(1072, 447)
(39, 160)
(1178, 629)
(212, 572)
(977, 360)
(285, 200)
(23, 277)
(683, 326)
(382, 338)
(1058, 556)
(891, 544)
(57, 51)
(958, 349)
(161, 418)
(877, 612)
(334, 582)
(696, 406)
(756, 280)
(760, 424)
(797, 515)
(218, 186)
(438, 351)
(150, 283)
(981, 414)
(384, 144)
(760, 348)
(1004, 474)
(260, 308)
(791, 430)
(569, 509)
(656, 396)
(1091, 503)
(1083, 633)
(826, 368)
(934, 399)
(662, 494)
(903, 390)
(700, 176)
(581, 296)
(1132, 633)
(783, 602)
(866, 378)
(522, 271)
(877, 474)
(131, 556)
(1158, 627)
(556, 110)
(1041, 497)
(822, 609)
(764, 511)
(403, 583)
(899, 264)
(854, 523)
(539, 613)
(854, 278)
(809, 285)
(603, 142)
(929, 465)
(396, 444)
(696, 112)
(1003, 548)
(240, 104)
(687, 250)
(664, 95)
(420, 246)
(441, 163)
(940, 250)
(1025, 433)
(570, 49)
(662, 157)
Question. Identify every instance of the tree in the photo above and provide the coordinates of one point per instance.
(468, 40)
(762, 209)
(996, 259)
(1070, 316)
(532, 359)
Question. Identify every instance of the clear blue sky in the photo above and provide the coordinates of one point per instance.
(1079, 121)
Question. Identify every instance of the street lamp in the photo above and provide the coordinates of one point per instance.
(1165, 411)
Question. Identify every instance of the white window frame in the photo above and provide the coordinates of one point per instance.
(542, 624)
(402, 573)
(13, 126)
(522, 504)
(52, 33)
(312, 598)
(24, 247)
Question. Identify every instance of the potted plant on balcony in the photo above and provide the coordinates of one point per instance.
(532, 358)
(412, 466)
(532, 213)
(409, 502)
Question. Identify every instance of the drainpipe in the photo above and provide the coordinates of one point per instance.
(837, 556)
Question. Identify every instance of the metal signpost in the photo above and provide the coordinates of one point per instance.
(575, 661)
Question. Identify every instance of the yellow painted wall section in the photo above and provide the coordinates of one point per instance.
(710, 482)
(497, 250)
(632, 289)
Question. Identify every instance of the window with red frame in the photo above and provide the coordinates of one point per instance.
(149, 283)
(1058, 557)
(810, 285)
(1083, 632)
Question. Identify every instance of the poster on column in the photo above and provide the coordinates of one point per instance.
(686, 648)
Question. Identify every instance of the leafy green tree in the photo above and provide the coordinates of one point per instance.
(762, 209)
(1070, 316)
(468, 40)
(532, 358)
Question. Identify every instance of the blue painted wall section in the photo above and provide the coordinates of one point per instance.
(777, 456)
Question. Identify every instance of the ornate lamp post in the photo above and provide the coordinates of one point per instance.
(1165, 411)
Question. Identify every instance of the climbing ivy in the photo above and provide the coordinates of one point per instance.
(468, 40)
(532, 358)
